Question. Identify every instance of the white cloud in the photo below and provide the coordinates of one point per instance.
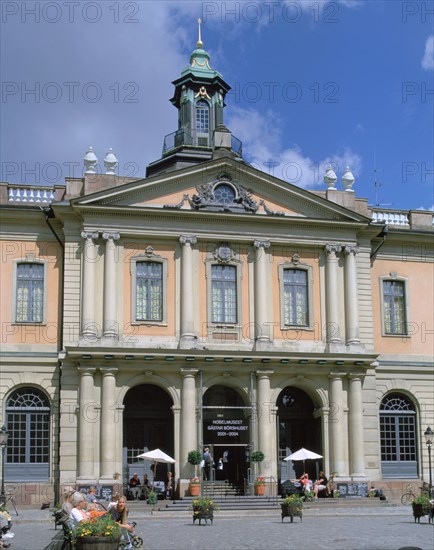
(428, 58)
(262, 146)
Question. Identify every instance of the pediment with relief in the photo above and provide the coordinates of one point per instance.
(225, 189)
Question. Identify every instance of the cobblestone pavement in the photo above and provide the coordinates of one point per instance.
(357, 529)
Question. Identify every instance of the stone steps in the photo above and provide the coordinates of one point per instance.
(269, 503)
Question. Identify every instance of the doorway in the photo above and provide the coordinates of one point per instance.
(226, 431)
(147, 425)
(296, 428)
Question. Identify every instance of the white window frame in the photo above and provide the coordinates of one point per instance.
(30, 259)
(133, 270)
(309, 288)
(404, 280)
(227, 327)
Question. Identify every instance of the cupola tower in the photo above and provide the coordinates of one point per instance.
(199, 96)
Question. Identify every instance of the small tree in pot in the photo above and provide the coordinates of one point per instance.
(256, 457)
(194, 458)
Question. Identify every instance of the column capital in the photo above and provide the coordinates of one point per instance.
(105, 371)
(91, 235)
(350, 249)
(336, 375)
(333, 248)
(86, 370)
(189, 372)
(110, 236)
(188, 239)
(264, 373)
(261, 244)
(354, 376)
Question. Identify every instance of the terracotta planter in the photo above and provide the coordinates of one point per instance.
(194, 489)
(260, 490)
(96, 543)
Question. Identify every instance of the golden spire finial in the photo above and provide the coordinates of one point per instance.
(199, 43)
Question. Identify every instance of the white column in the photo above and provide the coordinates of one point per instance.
(351, 295)
(86, 422)
(110, 327)
(188, 418)
(337, 425)
(176, 410)
(88, 327)
(265, 421)
(262, 331)
(332, 293)
(357, 462)
(187, 287)
(108, 417)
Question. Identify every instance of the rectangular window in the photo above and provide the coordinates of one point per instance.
(30, 293)
(149, 291)
(224, 294)
(202, 117)
(295, 302)
(394, 307)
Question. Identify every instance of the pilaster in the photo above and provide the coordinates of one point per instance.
(110, 327)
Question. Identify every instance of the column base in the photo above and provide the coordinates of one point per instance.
(188, 341)
(264, 345)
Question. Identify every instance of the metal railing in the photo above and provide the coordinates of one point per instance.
(184, 138)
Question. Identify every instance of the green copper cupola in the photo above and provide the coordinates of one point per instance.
(199, 97)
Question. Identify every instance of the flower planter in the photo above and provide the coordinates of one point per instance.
(206, 516)
(194, 489)
(96, 543)
(420, 510)
(260, 490)
(292, 510)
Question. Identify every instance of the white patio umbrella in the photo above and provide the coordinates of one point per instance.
(303, 454)
(156, 456)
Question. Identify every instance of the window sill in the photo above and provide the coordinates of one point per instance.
(297, 327)
(149, 324)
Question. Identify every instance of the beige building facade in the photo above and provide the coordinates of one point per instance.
(211, 304)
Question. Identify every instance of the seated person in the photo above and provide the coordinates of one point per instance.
(119, 513)
(134, 486)
(67, 501)
(305, 482)
(146, 486)
(78, 512)
(320, 485)
(91, 496)
(169, 485)
(376, 492)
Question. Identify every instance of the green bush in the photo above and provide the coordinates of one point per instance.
(194, 458)
(257, 456)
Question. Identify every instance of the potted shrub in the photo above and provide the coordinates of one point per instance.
(100, 533)
(194, 486)
(292, 506)
(421, 507)
(260, 486)
(203, 509)
(152, 497)
(194, 458)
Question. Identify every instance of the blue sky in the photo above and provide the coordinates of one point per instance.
(313, 82)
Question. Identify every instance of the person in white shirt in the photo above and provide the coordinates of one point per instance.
(78, 512)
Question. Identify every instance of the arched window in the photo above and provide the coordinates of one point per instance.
(398, 436)
(28, 424)
(202, 122)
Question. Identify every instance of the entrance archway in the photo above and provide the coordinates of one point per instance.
(147, 425)
(226, 432)
(297, 428)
